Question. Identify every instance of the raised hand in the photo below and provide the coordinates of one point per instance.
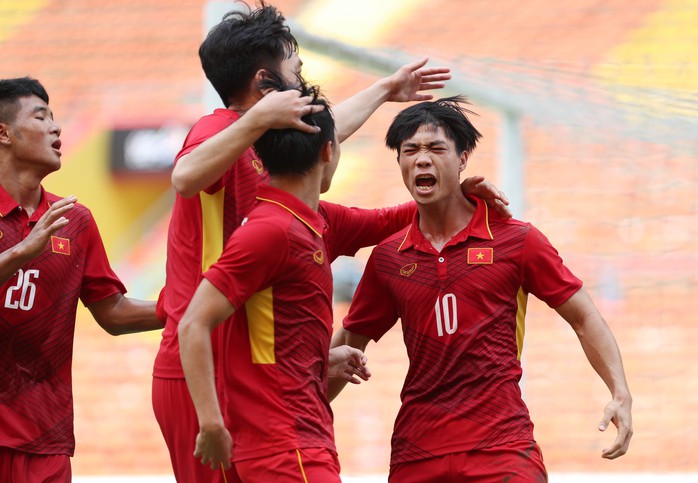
(410, 79)
(49, 223)
(284, 110)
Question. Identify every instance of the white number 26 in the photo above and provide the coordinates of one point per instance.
(21, 295)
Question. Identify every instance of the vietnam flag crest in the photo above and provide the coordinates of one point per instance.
(480, 256)
(60, 245)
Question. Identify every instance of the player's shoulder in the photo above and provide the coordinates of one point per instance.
(78, 210)
(210, 124)
(498, 222)
(267, 217)
(394, 241)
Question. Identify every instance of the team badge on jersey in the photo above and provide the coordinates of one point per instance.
(319, 257)
(480, 256)
(60, 245)
(408, 269)
(258, 166)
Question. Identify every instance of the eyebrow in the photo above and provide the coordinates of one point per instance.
(431, 144)
(43, 109)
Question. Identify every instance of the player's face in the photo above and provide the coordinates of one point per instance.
(431, 165)
(290, 68)
(34, 137)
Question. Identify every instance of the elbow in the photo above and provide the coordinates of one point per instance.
(181, 186)
(184, 328)
(113, 329)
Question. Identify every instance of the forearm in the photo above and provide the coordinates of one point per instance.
(204, 165)
(347, 361)
(335, 384)
(602, 351)
(122, 315)
(197, 362)
(12, 260)
(353, 112)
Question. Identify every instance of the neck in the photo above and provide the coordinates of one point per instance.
(22, 186)
(305, 187)
(440, 222)
(244, 104)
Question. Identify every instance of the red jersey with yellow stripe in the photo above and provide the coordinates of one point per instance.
(199, 228)
(275, 271)
(38, 305)
(462, 313)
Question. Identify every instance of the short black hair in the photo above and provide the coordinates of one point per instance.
(241, 44)
(445, 113)
(290, 151)
(12, 90)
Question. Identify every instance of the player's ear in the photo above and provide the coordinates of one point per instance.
(4, 134)
(463, 161)
(326, 152)
(259, 76)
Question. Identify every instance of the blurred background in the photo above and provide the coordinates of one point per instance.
(589, 111)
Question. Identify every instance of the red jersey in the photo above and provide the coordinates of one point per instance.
(462, 313)
(37, 323)
(275, 270)
(199, 228)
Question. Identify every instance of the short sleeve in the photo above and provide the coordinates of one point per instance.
(544, 273)
(253, 256)
(353, 228)
(205, 128)
(372, 312)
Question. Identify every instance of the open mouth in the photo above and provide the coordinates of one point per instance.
(425, 182)
(57, 145)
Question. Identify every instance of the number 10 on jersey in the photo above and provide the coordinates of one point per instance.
(446, 310)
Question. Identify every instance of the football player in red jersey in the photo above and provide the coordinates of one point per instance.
(51, 257)
(458, 278)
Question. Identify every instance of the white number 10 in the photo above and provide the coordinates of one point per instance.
(446, 311)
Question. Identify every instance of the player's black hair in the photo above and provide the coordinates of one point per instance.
(445, 113)
(290, 151)
(241, 44)
(11, 90)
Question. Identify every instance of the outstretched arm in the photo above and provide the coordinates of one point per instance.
(601, 349)
(206, 163)
(119, 315)
(50, 222)
(402, 86)
(207, 309)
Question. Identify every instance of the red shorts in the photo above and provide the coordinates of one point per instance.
(516, 462)
(306, 465)
(176, 416)
(19, 467)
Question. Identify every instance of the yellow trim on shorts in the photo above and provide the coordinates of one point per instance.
(300, 464)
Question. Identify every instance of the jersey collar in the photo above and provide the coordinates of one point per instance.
(8, 204)
(222, 111)
(479, 227)
(284, 199)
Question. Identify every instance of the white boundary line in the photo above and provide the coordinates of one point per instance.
(554, 478)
